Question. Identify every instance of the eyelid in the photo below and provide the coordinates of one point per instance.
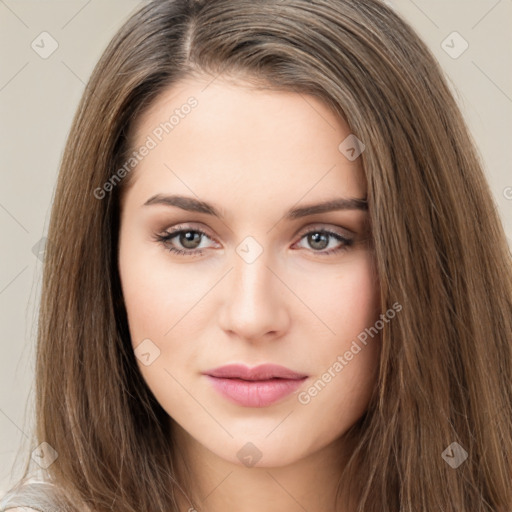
(191, 226)
(344, 232)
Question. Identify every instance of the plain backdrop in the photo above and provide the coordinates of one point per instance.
(38, 97)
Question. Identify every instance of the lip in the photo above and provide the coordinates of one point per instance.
(260, 372)
(260, 386)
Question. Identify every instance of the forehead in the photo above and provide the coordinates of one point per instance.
(230, 140)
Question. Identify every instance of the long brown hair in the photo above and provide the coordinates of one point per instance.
(445, 372)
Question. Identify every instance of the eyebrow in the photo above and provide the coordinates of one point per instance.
(194, 205)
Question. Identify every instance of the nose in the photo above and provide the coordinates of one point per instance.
(255, 306)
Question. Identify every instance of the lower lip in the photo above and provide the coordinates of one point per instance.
(258, 393)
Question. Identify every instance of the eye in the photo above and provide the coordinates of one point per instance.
(185, 241)
(320, 239)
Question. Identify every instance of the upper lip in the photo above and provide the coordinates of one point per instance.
(261, 372)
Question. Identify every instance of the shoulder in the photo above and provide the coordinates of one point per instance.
(29, 496)
(21, 509)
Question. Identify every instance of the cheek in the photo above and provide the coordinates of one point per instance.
(347, 300)
(157, 298)
(357, 295)
(163, 305)
(346, 359)
(157, 295)
(355, 311)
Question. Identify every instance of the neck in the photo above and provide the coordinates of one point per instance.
(214, 484)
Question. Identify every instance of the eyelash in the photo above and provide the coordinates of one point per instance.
(165, 239)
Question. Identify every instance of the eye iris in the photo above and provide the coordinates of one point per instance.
(189, 238)
(318, 240)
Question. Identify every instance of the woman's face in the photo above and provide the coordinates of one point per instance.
(259, 278)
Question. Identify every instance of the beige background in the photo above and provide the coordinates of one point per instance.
(38, 98)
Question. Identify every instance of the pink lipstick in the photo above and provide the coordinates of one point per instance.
(260, 386)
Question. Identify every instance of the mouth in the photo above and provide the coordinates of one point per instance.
(257, 387)
(261, 372)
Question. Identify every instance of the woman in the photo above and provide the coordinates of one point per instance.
(276, 277)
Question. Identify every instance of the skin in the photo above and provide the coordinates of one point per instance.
(254, 154)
